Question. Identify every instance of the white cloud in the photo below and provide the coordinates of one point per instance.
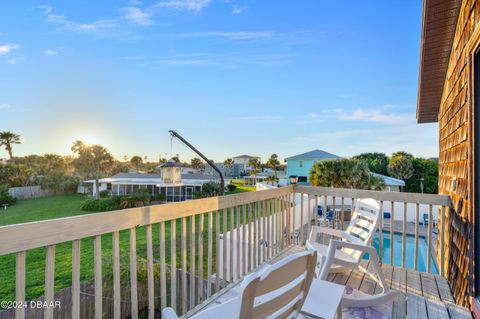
(374, 115)
(47, 9)
(80, 27)
(7, 48)
(51, 52)
(241, 35)
(4, 106)
(193, 5)
(12, 61)
(137, 16)
(238, 9)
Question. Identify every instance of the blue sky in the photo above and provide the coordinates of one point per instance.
(233, 77)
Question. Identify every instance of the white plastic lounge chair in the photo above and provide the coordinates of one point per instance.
(277, 291)
(361, 229)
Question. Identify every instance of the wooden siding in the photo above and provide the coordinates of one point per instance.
(455, 156)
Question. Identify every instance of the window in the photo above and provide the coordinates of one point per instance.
(300, 163)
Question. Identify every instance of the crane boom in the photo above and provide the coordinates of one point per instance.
(209, 162)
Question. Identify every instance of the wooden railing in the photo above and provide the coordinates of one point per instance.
(199, 247)
(405, 217)
(208, 244)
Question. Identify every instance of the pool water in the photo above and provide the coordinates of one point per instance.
(410, 251)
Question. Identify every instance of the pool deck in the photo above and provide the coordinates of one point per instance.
(421, 295)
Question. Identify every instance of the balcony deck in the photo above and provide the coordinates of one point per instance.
(422, 295)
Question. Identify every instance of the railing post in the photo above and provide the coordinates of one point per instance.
(442, 244)
(429, 240)
(417, 220)
(392, 232)
(404, 233)
(380, 230)
(20, 284)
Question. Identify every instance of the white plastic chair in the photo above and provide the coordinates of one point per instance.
(361, 229)
(278, 291)
(358, 300)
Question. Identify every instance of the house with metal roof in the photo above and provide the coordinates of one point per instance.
(298, 166)
(171, 183)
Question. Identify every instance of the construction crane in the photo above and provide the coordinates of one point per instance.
(209, 162)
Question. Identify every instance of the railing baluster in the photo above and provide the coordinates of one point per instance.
(150, 284)
(217, 250)
(232, 242)
(294, 218)
(133, 273)
(116, 274)
(277, 225)
(289, 218)
(97, 246)
(250, 237)
(200, 257)
(49, 280)
(334, 212)
(342, 214)
(192, 261)
(244, 241)
(256, 235)
(314, 238)
(264, 231)
(325, 210)
(302, 224)
(284, 221)
(239, 244)
(224, 246)
(184, 264)
(380, 230)
(163, 266)
(76, 279)
(309, 216)
(173, 264)
(415, 256)
(429, 240)
(404, 235)
(20, 283)
(392, 232)
(442, 243)
(209, 257)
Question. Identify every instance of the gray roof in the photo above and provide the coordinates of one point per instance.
(135, 175)
(246, 156)
(389, 181)
(171, 163)
(199, 176)
(314, 155)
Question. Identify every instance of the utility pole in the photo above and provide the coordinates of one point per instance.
(209, 162)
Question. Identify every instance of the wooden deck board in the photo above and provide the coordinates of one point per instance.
(437, 309)
(429, 287)
(421, 295)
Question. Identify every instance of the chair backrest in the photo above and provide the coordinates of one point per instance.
(364, 222)
(280, 290)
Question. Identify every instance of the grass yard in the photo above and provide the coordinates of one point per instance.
(69, 205)
(241, 187)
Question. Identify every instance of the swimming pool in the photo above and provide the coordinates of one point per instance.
(410, 251)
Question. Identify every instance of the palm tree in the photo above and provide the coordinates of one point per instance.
(255, 166)
(7, 139)
(272, 179)
(136, 161)
(228, 163)
(273, 163)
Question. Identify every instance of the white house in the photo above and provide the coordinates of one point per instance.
(243, 160)
(170, 182)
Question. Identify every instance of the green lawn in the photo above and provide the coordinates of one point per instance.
(241, 188)
(69, 205)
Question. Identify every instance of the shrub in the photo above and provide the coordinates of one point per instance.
(231, 187)
(99, 205)
(159, 198)
(104, 194)
(5, 197)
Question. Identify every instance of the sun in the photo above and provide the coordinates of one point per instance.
(87, 138)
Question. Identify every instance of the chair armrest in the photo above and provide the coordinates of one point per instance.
(169, 313)
(333, 232)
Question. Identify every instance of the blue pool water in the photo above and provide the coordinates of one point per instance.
(410, 251)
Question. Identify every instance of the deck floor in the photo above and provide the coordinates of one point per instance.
(421, 295)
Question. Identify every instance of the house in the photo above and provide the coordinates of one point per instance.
(298, 166)
(448, 86)
(171, 183)
(236, 170)
(391, 184)
(243, 160)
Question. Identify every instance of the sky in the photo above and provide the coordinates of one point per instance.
(232, 76)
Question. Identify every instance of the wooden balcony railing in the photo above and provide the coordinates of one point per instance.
(180, 254)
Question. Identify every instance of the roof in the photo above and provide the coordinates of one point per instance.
(390, 181)
(171, 163)
(246, 156)
(438, 31)
(314, 155)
